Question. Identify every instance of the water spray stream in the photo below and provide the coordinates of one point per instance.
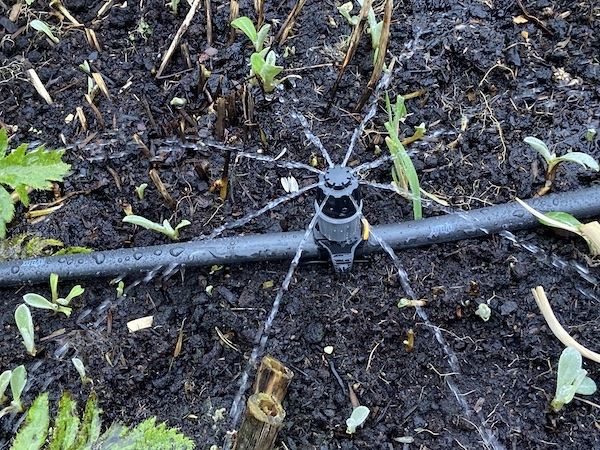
(263, 335)
(383, 83)
(312, 138)
(284, 164)
(486, 434)
(269, 206)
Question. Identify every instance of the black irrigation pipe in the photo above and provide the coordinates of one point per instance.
(584, 203)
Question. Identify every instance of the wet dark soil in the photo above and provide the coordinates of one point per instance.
(493, 72)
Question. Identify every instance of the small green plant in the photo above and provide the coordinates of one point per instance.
(174, 4)
(484, 311)
(78, 364)
(58, 304)
(403, 172)
(245, 25)
(165, 228)
(553, 161)
(75, 433)
(263, 60)
(38, 25)
(564, 221)
(374, 28)
(571, 379)
(25, 325)
(144, 30)
(17, 379)
(21, 169)
(140, 190)
(357, 418)
(590, 134)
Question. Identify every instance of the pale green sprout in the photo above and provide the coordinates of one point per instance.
(263, 65)
(174, 4)
(140, 190)
(571, 379)
(178, 102)
(58, 304)
(564, 221)
(120, 289)
(552, 161)
(18, 380)
(4, 381)
(245, 25)
(357, 418)
(25, 326)
(484, 311)
(38, 25)
(165, 228)
(81, 370)
(403, 172)
(590, 134)
(374, 29)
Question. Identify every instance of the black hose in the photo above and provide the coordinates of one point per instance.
(582, 204)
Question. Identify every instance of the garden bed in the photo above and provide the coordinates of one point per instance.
(492, 74)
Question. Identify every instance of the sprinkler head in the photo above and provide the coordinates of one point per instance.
(339, 225)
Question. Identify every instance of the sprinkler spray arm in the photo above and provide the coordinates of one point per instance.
(583, 204)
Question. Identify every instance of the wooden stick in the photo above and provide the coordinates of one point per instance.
(182, 29)
(273, 378)
(354, 38)
(262, 420)
(383, 43)
(209, 28)
(289, 22)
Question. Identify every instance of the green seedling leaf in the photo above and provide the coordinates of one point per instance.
(18, 379)
(76, 291)
(25, 326)
(587, 387)
(143, 222)
(484, 311)
(571, 379)
(33, 434)
(66, 424)
(245, 25)
(357, 418)
(37, 301)
(4, 381)
(540, 147)
(561, 217)
(183, 223)
(38, 25)
(581, 158)
(261, 37)
(54, 286)
(345, 11)
(81, 370)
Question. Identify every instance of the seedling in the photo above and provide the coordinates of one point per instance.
(140, 190)
(590, 134)
(263, 61)
(25, 326)
(165, 228)
(58, 304)
(38, 25)
(4, 381)
(403, 172)
(18, 379)
(374, 28)
(588, 231)
(81, 370)
(21, 169)
(405, 302)
(357, 418)
(484, 311)
(553, 161)
(571, 379)
(245, 25)
(174, 4)
(264, 68)
(71, 431)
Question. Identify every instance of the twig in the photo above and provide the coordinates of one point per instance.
(557, 328)
(182, 29)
